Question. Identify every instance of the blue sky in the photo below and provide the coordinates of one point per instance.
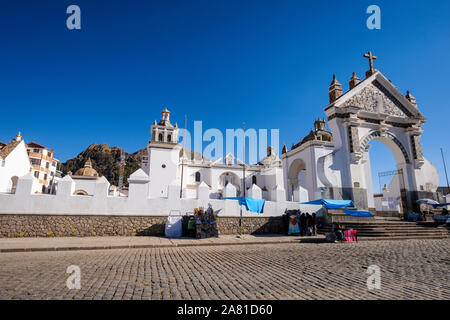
(268, 63)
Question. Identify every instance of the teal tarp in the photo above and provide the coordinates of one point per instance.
(355, 213)
(251, 204)
(331, 204)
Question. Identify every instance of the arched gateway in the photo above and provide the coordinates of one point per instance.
(372, 109)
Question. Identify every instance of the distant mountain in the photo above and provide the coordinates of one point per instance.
(106, 161)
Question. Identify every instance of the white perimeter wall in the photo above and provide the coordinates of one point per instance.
(65, 203)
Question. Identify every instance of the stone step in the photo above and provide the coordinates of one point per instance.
(412, 236)
(402, 234)
(400, 238)
(400, 230)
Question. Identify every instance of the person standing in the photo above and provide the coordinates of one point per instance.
(308, 223)
(302, 224)
(314, 224)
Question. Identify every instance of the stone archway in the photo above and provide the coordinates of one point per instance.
(374, 109)
(230, 177)
(402, 164)
(296, 179)
(390, 140)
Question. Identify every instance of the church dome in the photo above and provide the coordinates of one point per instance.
(87, 171)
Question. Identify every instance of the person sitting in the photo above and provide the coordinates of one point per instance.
(338, 232)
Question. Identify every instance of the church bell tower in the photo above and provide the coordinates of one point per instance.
(163, 155)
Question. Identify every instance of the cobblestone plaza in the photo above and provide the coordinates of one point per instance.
(413, 269)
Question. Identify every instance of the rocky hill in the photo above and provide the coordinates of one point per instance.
(106, 161)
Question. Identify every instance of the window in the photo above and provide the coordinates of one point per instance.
(3, 162)
(197, 176)
(254, 180)
(49, 154)
(45, 176)
(35, 162)
(160, 137)
(169, 138)
(36, 150)
(36, 174)
(47, 165)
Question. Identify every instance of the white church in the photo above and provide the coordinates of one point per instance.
(329, 164)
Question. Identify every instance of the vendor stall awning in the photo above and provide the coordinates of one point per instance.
(251, 204)
(331, 204)
(355, 213)
(441, 205)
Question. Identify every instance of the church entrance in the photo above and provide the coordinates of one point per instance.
(388, 183)
(386, 189)
(230, 177)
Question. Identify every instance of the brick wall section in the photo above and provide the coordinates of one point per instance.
(85, 226)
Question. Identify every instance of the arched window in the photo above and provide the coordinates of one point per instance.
(197, 176)
(254, 180)
(169, 138)
(80, 193)
(160, 137)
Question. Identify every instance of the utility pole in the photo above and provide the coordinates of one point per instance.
(182, 158)
(243, 180)
(445, 170)
(243, 160)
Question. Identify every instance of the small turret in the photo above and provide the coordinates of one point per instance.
(334, 90)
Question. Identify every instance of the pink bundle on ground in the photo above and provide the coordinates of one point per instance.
(350, 235)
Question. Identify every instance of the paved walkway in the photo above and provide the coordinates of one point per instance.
(96, 243)
(412, 269)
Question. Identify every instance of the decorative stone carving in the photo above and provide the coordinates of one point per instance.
(353, 139)
(375, 134)
(417, 147)
(374, 98)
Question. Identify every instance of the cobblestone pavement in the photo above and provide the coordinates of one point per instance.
(413, 269)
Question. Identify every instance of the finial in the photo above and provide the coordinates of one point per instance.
(411, 98)
(354, 81)
(88, 163)
(371, 57)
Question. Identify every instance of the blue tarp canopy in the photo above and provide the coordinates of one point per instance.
(355, 213)
(331, 204)
(251, 204)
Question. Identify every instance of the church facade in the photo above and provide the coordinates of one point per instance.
(336, 164)
(333, 164)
